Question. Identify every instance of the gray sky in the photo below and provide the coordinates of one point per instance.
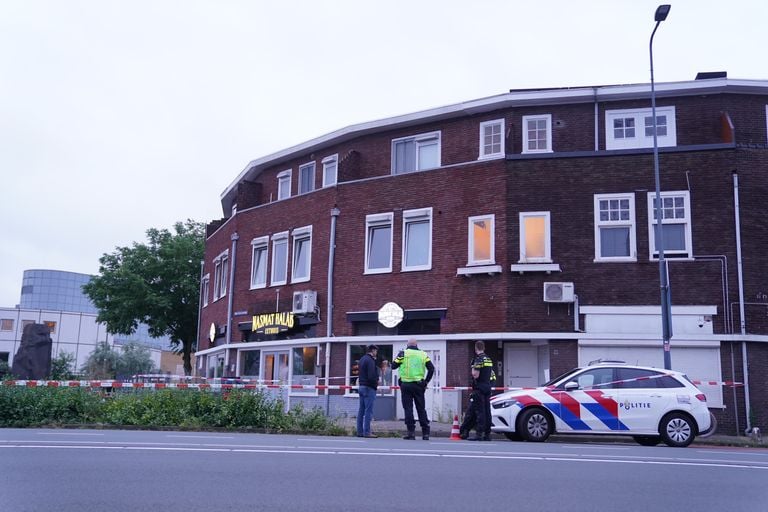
(119, 116)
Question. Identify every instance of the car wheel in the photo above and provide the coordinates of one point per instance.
(513, 436)
(677, 430)
(647, 440)
(535, 425)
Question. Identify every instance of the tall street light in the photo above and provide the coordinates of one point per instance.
(666, 307)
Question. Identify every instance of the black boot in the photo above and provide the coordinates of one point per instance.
(425, 433)
(463, 434)
(411, 435)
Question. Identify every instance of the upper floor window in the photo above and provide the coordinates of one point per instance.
(633, 128)
(481, 240)
(615, 227)
(675, 224)
(417, 239)
(302, 254)
(6, 324)
(378, 243)
(284, 185)
(416, 153)
(220, 272)
(307, 178)
(535, 237)
(330, 170)
(537, 134)
(206, 288)
(259, 250)
(492, 138)
(279, 258)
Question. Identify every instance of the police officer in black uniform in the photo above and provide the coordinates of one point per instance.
(483, 374)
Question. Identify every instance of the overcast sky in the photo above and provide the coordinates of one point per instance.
(119, 116)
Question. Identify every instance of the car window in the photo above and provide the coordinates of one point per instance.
(637, 378)
(597, 378)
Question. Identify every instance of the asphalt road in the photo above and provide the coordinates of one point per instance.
(101, 470)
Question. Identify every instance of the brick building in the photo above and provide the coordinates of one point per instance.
(524, 219)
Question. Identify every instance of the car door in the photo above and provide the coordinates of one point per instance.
(643, 399)
(592, 405)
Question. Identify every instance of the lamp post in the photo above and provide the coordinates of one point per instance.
(666, 307)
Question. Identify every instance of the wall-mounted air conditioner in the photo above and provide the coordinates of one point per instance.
(304, 302)
(558, 292)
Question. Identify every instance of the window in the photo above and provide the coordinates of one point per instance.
(6, 324)
(675, 222)
(302, 254)
(330, 170)
(250, 363)
(279, 258)
(306, 178)
(383, 362)
(51, 325)
(206, 288)
(537, 134)
(417, 239)
(535, 237)
(416, 153)
(633, 128)
(492, 139)
(378, 243)
(615, 227)
(481, 240)
(220, 271)
(304, 360)
(259, 249)
(284, 185)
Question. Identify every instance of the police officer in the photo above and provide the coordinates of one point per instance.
(482, 371)
(412, 363)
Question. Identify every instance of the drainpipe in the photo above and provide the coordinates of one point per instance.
(742, 321)
(199, 310)
(230, 299)
(329, 305)
(597, 121)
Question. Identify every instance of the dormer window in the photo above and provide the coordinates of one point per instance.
(416, 153)
(633, 128)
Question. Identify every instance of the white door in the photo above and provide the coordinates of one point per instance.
(521, 366)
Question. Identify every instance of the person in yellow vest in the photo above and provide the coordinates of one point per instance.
(413, 364)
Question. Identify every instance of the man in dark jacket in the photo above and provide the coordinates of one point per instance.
(368, 381)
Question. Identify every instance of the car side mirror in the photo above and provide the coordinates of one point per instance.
(571, 386)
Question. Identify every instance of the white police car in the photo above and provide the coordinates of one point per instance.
(649, 404)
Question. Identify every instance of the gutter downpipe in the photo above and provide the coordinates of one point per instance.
(199, 310)
(230, 299)
(597, 122)
(742, 321)
(335, 212)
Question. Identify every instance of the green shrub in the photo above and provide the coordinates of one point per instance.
(26, 407)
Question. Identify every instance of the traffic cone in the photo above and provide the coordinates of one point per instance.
(455, 429)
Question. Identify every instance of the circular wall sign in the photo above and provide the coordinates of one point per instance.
(212, 332)
(390, 315)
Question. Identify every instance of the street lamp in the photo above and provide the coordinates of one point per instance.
(666, 307)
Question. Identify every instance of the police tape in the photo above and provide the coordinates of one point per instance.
(112, 384)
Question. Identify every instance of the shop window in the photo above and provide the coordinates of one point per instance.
(383, 364)
(304, 361)
(6, 324)
(250, 363)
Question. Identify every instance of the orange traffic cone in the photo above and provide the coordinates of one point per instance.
(455, 429)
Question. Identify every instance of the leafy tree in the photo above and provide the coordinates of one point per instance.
(156, 283)
(135, 359)
(101, 363)
(63, 366)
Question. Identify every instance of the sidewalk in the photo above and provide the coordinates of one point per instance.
(443, 430)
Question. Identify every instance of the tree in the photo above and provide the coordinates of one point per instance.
(101, 363)
(156, 283)
(63, 366)
(134, 360)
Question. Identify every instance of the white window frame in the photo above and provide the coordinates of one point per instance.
(279, 239)
(284, 185)
(471, 261)
(524, 258)
(631, 223)
(420, 141)
(372, 222)
(330, 170)
(483, 146)
(653, 252)
(206, 288)
(303, 234)
(259, 244)
(640, 140)
(302, 169)
(415, 217)
(539, 117)
(220, 271)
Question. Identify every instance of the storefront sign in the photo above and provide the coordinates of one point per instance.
(390, 315)
(273, 323)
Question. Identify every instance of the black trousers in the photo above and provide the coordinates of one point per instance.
(470, 419)
(483, 409)
(412, 393)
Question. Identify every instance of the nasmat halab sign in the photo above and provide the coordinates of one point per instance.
(273, 323)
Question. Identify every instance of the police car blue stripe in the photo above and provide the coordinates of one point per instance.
(568, 417)
(601, 413)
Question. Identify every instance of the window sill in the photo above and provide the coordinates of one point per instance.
(536, 267)
(484, 269)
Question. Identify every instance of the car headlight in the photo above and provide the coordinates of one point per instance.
(503, 404)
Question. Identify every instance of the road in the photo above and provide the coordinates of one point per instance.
(113, 470)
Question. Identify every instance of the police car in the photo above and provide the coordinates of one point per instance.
(649, 404)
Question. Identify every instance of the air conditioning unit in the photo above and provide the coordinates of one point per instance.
(304, 302)
(558, 292)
